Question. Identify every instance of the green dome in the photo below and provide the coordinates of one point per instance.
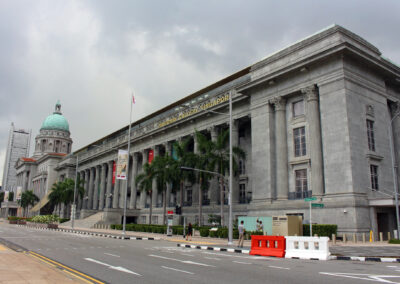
(55, 121)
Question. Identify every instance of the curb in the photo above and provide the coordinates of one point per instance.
(93, 234)
(332, 257)
(246, 251)
(365, 258)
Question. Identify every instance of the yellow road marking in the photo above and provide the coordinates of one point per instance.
(83, 279)
(3, 247)
(44, 260)
(66, 267)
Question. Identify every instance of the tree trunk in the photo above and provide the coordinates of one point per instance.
(200, 202)
(164, 206)
(181, 197)
(151, 207)
(222, 200)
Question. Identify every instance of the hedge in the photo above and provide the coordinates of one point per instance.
(394, 241)
(322, 230)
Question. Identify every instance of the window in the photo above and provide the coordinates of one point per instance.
(189, 195)
(299, 135)
(374, 177)
(370, 134)
(301, 184)
(242, 169)
(154, 220)
(143, 221)
(242, 193)
(298, 108)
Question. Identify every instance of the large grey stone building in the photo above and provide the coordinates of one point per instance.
(314, 120)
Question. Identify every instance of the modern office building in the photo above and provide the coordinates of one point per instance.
(17, 147)
(314, 119)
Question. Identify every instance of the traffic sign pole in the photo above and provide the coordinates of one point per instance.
(310, 222)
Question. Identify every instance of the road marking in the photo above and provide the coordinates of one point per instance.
(119, 268)
(45, 259)
(182, 261)
(3, 247)
(278, 267)
(368, 277)
(214, 258)
(241, 262)
(240, 256)
(166, 267)
(186, 254)
(111, 254)
(81, 278)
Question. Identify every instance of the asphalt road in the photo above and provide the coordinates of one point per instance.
(141, 261)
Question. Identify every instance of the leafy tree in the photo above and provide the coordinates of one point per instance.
(11, 196)
(184, 159)
(69, 187)
(27, 198)
(57, 194)
(217, 153)
(144, 182)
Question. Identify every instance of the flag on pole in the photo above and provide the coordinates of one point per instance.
(133, 99)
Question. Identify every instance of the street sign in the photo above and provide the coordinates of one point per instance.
(310, 199)
(317, 205)
(170, 212)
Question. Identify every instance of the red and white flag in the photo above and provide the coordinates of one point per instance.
(133, 99)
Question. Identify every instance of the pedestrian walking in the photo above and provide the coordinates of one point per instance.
(241, 234)
(189, 232)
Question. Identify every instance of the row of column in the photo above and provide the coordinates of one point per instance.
(314, 128)
(100, 193)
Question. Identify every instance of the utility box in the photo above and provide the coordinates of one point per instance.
(287, 226)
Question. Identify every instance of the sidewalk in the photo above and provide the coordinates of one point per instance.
(17, 267)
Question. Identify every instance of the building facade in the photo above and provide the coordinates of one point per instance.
(17, 147)
(52, 144)
(314, 119)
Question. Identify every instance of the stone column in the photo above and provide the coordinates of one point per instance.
(281, 148)
(395, 108)
(214, 185)
(132, 201)
(110, 165)
(96, 189)
(102, 186)
(86, 195)
(91, 186)
(143, 195)
(235, 143)
(24, 181)
(314, 128)
(122, 189)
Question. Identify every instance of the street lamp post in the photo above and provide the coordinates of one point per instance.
(395, 186)
(230, 225)
(74, 204)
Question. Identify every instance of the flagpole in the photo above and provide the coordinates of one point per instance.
(127, 168)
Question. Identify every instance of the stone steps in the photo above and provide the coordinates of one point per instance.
(88, 222)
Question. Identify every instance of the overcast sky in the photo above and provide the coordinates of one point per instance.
(91, 54)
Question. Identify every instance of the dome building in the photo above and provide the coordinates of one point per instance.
(54, 136)
(39, 172)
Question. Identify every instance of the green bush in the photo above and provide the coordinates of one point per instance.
(63, 220)
(394, 241)
(45, 219)
(204, 232)
(322, 230)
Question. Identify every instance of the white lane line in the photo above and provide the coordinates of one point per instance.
(369, 277)
(170, 268)
(112, 254)
(279, 267)
(213, 258)
(182, 261)
(119, 268)
(241, 262)
(187, 254)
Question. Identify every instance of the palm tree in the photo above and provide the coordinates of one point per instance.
(27, 198)
(69, 188)
(217, 154)
(164, 171)
(184, 159)
(144, 182)
(56, 196)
